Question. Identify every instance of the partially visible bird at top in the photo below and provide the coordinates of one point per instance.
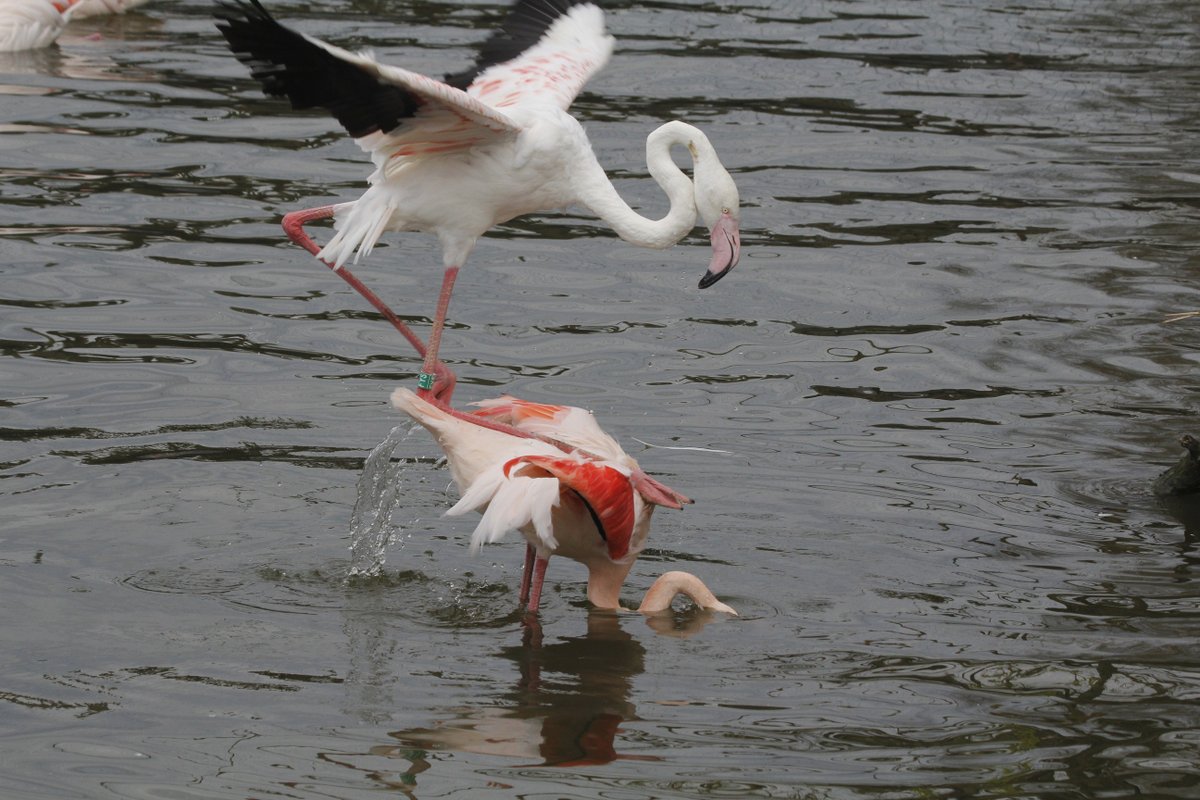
(33, 24)
(459, 156)
(589, 503)
(96, 8)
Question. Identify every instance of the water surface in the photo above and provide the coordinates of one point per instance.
(940, 379)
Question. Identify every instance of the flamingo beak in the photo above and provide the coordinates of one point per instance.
(726, 248)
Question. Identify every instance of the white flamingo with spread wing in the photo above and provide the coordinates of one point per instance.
(459, 156)
(585, 503)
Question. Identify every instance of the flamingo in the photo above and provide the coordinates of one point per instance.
(96, 8)
(456, 157)
(33, 24)
(585, 504)
(676, 582)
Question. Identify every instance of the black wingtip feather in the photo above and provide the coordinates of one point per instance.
(592, 512)
(526, 23)
(289, 65)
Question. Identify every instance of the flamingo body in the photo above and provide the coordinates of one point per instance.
(32, 24)
(581, 507)
(457, 157)
(96, 8)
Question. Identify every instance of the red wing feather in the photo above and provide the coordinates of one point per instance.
(606, 492)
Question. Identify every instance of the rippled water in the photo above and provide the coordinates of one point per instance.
(941, 377)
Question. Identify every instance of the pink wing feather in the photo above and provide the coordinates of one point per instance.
(449, 119)
(574, 427)
(514, 411)
(553, 71)
(542, 56)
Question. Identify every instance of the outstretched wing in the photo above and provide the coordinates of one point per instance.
(574, 427)
(519, 413)
(366, 97)
(545, 51)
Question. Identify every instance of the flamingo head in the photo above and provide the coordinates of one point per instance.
(717, 202)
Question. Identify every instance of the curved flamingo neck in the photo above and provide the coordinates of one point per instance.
(596, 191)
(605, 579)
(662, 592)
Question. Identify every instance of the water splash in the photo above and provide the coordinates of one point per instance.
(372, 530)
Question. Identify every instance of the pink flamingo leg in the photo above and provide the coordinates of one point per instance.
(535, 591)
(293, 226)
(437, 384)
(442, 387)
(429, 370)
(526, 574)
(443, 378)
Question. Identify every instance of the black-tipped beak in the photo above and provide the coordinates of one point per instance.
(726, 249)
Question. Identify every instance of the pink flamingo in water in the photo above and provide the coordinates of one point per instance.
(586, 503)
(459, 156)
(455, 158)
(33, 24)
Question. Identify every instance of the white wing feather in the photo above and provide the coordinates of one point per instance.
(512, 503)
(575, 427)
(32, 24)
(447, 105)
(553, 71)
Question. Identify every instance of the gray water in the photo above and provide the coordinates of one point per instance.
(941, 376)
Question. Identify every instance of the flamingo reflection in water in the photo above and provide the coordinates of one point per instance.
(574, 723)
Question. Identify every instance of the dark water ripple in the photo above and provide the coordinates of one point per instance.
(920, 421)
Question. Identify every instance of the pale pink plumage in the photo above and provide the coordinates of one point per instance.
(455, 158)
(32, 24)
(560, 502)
(534, 487)
(470, 160)
(96, 8)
